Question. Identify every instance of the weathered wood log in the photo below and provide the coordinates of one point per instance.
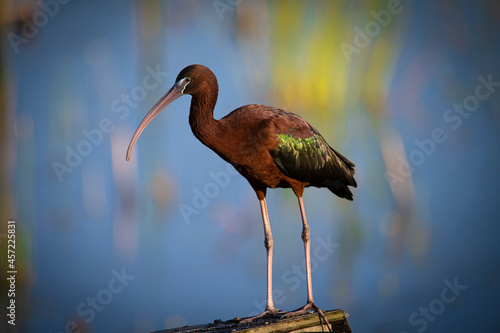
(309, 322)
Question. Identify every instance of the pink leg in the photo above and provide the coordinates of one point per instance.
(268, 242)
(307, 249)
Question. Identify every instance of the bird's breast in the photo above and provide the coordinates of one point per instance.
(246, 137)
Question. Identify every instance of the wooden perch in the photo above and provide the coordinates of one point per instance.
(309, 322)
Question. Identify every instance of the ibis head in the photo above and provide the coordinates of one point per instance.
(190, 80)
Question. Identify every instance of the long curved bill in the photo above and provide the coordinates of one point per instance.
(175, 92)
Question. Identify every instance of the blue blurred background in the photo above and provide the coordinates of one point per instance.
(407, 90)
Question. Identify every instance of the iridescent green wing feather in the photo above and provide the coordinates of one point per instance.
(303, 154)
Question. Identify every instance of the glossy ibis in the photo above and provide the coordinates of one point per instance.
(269, 147)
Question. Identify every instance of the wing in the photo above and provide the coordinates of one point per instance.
(303, 154)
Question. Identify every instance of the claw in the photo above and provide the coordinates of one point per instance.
(266, 313)
(309, 307)
(284, 314)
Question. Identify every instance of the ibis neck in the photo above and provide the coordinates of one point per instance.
(201, 117)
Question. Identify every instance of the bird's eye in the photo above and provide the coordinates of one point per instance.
(187, 78)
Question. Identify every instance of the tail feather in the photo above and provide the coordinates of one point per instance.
(342, 191)
(347, 168)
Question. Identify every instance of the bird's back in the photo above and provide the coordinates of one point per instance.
(292, 145)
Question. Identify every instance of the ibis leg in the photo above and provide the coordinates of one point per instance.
(268, 242)
(306, 237)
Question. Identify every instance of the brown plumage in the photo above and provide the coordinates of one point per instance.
(270, 147)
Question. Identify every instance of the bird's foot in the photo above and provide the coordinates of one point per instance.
(267, 313)
(310, 306)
